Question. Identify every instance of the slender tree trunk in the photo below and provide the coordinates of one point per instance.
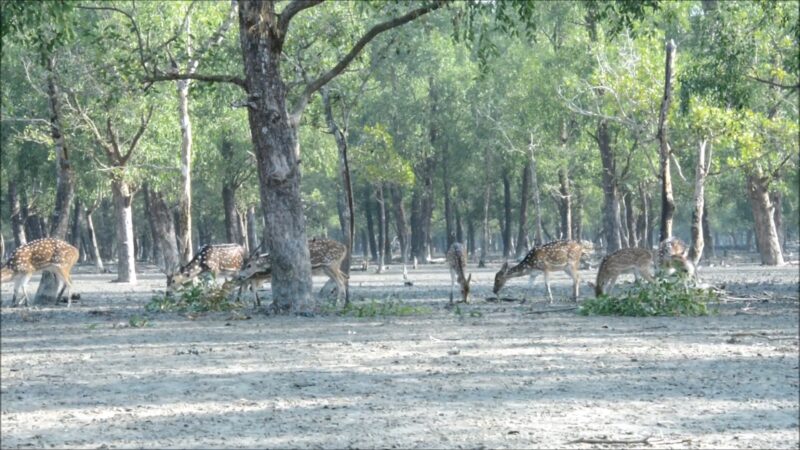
(459, 224)
(231, 216)
(126, 264)
(184, 211)
(506, 215)
(252, 233)
(417, 226)
(75, 232)
(538, 232)
(667, 199)
(387, 234)
(382, 238)
(611, 209)
(448, 207)
(471, 237)
(643, 223)
(630, 218)
(565, 204)
(163, 229)
(701, 170)
(368, 205)
(487, 192)
(577, 215)
(523, 244)
(777, 205)
(766, 233)
(707, 236)
(91, 236)
(17, 220)
(400, 220)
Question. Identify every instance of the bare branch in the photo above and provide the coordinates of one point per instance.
(138, 135)
(133, 23)
(114, 138)
(290, 10)
(215, 39)
(677, 165)
(351, 55)
(196, 76)
(792, 87)
(72, 100)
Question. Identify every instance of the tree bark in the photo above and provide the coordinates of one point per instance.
(523, 244)
(577, 215)
(278, 153)
(643, 222)
(471, 237)
(506, 215)
(459, 224)
(400, 220)
(17, 220)
(611, 210)
(65, 179)
(777, 205)
(537, 209)
(252, 233)
(487, 195)
(126, 264)
(373, 246)
(231, 216)
(75, 233)
(667, 199)
(382, 238)
(91, 240)
(707, 236)
(630, 218)
(448, 207)
(163, 229)
(766, 233)
(184, 211)
(701, 170)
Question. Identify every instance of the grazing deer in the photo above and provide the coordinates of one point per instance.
(626, 260)
(226, 259)
(457, 261)
(326, 256)
(49, 254)
(558, 255)
(673, 255)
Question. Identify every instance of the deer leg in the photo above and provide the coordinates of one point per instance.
(20, 283)
(547, 285)
(572, 271)
(452, 285)
(610, 285)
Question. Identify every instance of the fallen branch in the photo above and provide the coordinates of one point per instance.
(645, 441)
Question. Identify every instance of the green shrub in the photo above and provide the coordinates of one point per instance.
(202, 297)
(382, 309)
(671, 296)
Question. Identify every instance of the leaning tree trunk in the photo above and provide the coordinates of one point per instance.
(278, 154)
(611, 212)
(769, 246)
(65, 180)
(506, 215)
(523, 244)
(667, 199)
(17, 221)
(701, 170)
(123, 200)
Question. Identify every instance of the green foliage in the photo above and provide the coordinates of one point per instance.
(138, 321)
(670, 296)
(376, 308)
(203, 297)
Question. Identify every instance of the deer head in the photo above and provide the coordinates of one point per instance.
(500, 278)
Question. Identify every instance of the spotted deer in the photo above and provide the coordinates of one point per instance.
(558, 255)
(326, 256)
(627, 260)
(673, 256)
(225, 259)
(457, 261)
(48, 254)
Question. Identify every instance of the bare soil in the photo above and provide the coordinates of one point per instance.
(503, 374)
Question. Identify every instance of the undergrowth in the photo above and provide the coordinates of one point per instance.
(670, 296)
(375, 308)
(203, 297)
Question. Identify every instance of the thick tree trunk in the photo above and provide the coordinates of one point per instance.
(707, 236)
(565, 206)
(523, 244)
(126, 264)
(252, 233)
(184, 211)
(17, 220)
(777, 205)
(163, 228)
(34, 228)
(611, 210)
(667, 199)
(231, 216)
(766, 233)
(506, 215)
(278, 154)
(701, 170)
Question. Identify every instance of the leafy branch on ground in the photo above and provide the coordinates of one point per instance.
(669, 296)
(203, 297)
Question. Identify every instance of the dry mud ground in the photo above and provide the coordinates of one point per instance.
(497, 375)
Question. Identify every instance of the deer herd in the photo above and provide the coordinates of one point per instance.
(251, 271)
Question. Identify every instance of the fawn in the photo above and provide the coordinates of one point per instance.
(50, 254)
(558, 255)
(326, 256)
(457, 261)
(673, 256)
(626, 260)
(214, 259)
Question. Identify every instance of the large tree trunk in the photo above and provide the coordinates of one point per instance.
(523, 244)
(565, 204)
(231, 215)
(611, 211)
(766, 233)
(701, 170)
(278, 154)
(506, 215)
(17, 220)
(164, 230)
(126, 264)
(667, 199)
(184, 212)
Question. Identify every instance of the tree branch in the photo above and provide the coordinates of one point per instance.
(90, 123)
(138, 135)
(196, 76)
(215, 39)
(114, 138)
(351, 55)
(774, 84)
(133, 23)
(290, 10)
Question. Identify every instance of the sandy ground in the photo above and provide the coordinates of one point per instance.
(487, 375)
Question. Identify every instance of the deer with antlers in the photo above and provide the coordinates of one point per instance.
(48, 254)
(225, 259)
(558, 255)
(326, 256)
